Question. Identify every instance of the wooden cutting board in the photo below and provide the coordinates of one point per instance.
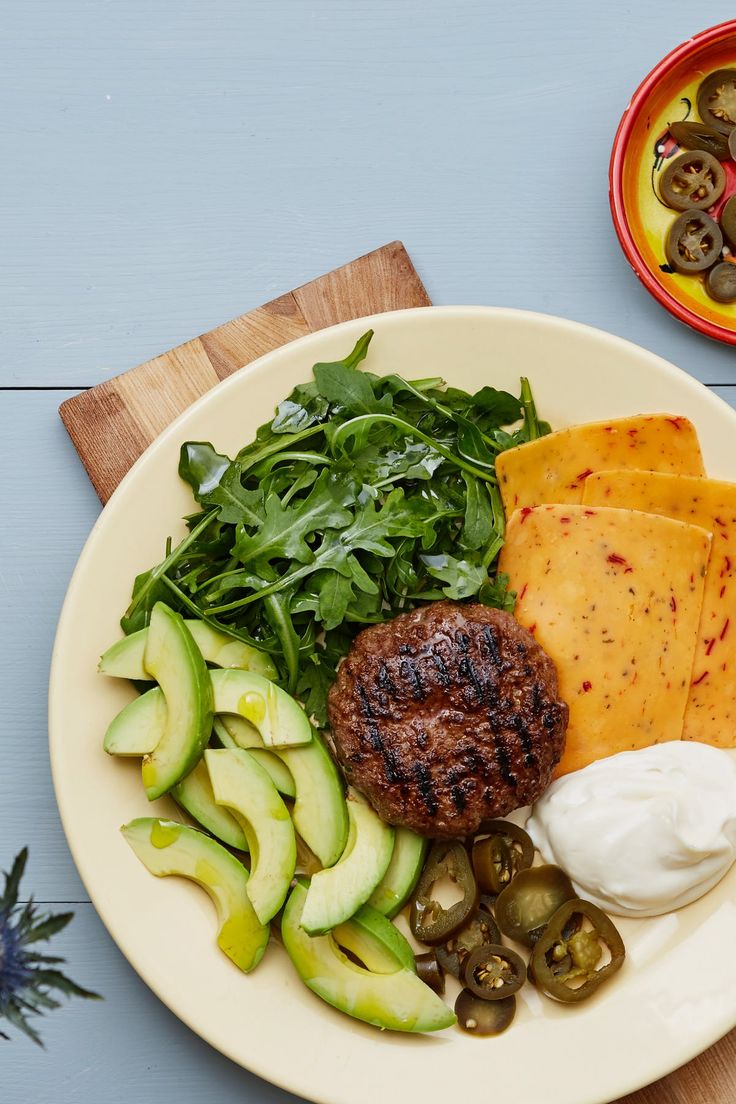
(114, 422)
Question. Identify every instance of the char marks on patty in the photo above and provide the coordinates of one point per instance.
(447, 716)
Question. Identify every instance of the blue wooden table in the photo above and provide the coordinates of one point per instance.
(167, 166)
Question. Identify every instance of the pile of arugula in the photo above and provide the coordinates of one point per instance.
(364, 496)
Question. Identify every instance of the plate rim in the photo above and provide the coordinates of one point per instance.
(720, 1026)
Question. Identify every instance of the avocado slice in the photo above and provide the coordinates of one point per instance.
(234, 731)
(280, 719)
(320, 813)
(124, 659)
(240, 783)
(165, 847)
(194, 795)
(402, 875)
(337, 893)
(237, 732)
(396, 1001)
(177, 665)
(373, 939)
(276, 771)
(139, 726)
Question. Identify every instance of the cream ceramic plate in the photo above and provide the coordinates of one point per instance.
(677, 992)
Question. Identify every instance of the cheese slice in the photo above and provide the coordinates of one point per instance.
(614, 597)
(710, 715)
(554, 468)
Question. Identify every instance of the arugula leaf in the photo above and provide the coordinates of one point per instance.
(499, 407)
(315, 679)
(284, 531)
(473, 445)
(235, 579)
(471, 442)
(408, 459)
(371, 527)
(366, 609)
(334, 592)
(361, 578)
(496, 593)
(463, 577)
(401, 574)
(271, 443)
(478, 521)
(201, 466)
(147, 591)
(342, 384)
(303, 408)
(355, 429)
(237, 504)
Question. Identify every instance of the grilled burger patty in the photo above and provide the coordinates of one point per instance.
(447, 716)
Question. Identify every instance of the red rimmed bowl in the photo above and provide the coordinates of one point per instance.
(642, 149)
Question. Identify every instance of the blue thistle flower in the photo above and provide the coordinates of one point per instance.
(27, 977)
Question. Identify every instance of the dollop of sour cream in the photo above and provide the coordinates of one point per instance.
(643, 832)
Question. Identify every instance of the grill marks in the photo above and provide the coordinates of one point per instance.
(502, 718)
(470, 673)
(526, 740)
(426, 787)
(536, 698)
(391, 766)
(385, 681)
(491, 643)
(447, 716)
(409, 671)
(367, 710)
(504, 763)
(458, 798)
(441, 673)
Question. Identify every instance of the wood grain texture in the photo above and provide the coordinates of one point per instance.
(351, 292)
(254, 334)
(708, 1079)
(113, 423)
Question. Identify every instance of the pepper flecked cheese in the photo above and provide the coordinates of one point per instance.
(554, 468)
(614, 597)
(710, 714)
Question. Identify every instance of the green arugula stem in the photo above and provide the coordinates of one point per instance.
(499, 514)
(277, 612)
(247, 462)
(165, 565)
(494, 547)
(204, 615)
(440, 408)
(531, 421)
(265, 466)
(202, 588)
(347, 429)
(272, 588)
